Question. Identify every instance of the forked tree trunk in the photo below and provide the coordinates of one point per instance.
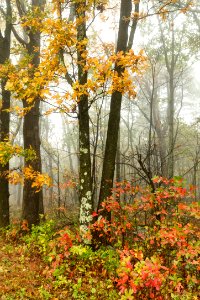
(115, 109)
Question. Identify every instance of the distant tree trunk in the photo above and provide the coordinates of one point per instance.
(33, 201)
(19, 188)
(50, 165)
(118, 160)
(5, 117)
(68, 142)
(171, 124)
(160, 132)
(115, 109)
(196, 168)
(85, 178)
(58, 184)
(170, 62)
(51, 175)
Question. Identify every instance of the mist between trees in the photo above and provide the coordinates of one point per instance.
(118, 78)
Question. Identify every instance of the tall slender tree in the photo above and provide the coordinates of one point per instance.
(85, 177)
(5, 42)
(124, 43)
(32, 205)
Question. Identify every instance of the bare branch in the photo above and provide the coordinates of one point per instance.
(18, 38)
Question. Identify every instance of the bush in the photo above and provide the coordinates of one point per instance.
(150, 247)
(158, 239)
(40, 236)
(85, 274)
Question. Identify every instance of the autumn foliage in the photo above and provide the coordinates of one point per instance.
(157, 236)
(19, 175)
(149, 250)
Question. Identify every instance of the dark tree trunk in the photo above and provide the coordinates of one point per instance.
(32, 201)
(115, 109)
(4, 185)
(85, 178)
(32, 205)
(5, 118)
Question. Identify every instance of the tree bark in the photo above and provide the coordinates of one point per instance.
(4, 185)
(115, 109)
(32, 201)
(5, 42)
(85, 178)
(32, 205)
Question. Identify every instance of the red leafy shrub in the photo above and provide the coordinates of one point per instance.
(157, 234)
(60, 247)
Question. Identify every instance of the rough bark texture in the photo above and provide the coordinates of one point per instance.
(85, 178)
(5, 118)
(32, 205)
(4, 185)
(115, 109)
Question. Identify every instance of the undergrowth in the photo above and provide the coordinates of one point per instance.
(149, 250)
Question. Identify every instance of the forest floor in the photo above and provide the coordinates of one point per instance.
(21, 274)
(27, 273)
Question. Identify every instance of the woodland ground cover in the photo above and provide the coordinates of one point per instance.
(149, 249)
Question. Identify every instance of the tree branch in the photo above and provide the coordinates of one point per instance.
(18, 38)
(134, 25)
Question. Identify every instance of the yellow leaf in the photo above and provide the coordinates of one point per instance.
(25, 79)
(9, 85)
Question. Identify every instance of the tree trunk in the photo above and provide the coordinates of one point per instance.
(31, 207)
(85, 179)
(170, 61)
(33, 201)
(161, 133)
(115, 109)
(171, 125)
(118, 160)
(5, 117)
(4, 185)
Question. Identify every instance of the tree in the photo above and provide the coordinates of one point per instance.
(85, 178)
(124, 43)
(80, 74)
(32, 204)
(5, 42)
